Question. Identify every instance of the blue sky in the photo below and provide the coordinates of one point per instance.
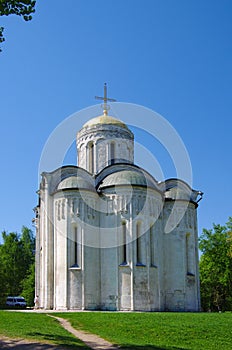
(174, 57)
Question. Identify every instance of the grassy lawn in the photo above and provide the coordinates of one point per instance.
(136, 331)
(158, 330)
(38, 327)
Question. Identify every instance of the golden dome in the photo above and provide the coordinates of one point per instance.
(104, 119)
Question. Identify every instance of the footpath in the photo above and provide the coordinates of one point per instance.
(91, 340)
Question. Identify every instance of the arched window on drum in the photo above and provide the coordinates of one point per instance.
(112, 153)
(90, 157)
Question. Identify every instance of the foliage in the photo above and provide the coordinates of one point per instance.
(22, 8)
(16, 260)
(37, 327)
(28, 286)
(216, 267)
(2, 39)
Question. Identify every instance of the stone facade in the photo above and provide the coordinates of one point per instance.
(109, 236)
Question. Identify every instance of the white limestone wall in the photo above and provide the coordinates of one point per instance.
(40, 269)
(156, 266)
(39, 246)
(75, 295)
(84, 279)
(109, 256)
(75, 286)
(192, 281)
(60, 251)
(132, 285)
(164, 277)
(147, 251)
(37, 250)
(147, 262)
(74, 255)
(91, 272)
(89, 217)
(125, 289)
(180, 262)
(44, 284)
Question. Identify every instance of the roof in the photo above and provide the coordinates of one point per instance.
(132, 177)
(75, 182)
(104, 119)
(176, 189)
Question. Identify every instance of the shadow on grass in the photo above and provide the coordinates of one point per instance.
(62, 341)
(21, 345)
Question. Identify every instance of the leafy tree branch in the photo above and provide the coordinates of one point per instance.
(23, 8)
(216, 267)
(17, 257)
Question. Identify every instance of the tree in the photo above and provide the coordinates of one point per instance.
(27, 240)
(16, 259)
(11, 256)
(2, 280)
(28, 286)
(22, 8)
(216, 267)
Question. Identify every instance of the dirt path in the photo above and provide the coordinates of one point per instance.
(91, 340)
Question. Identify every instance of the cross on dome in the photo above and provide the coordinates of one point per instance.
(105, 106)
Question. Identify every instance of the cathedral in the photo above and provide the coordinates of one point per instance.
(101, 242)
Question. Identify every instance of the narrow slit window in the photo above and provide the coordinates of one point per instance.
(152, 246)
(112, 153)
(75, 247)
(124, 245)
(91, 157)
(188, 255)
(138, 244)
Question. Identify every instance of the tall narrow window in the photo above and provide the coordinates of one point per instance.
(91, 157)
(124, 245)
(152, 246)
(112, 153)
(138, 243)
(188, 255)
(75, 247)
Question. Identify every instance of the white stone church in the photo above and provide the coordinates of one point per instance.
(101, 242)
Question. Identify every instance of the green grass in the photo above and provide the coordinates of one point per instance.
(37, 327)
(136, 331)
(158, 330)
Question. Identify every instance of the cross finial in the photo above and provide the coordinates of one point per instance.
(105, 106)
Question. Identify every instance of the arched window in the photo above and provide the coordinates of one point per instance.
(138, 244)
(76, 248)
(152, 246)
(123, 254)
(112, 152)
(189, 266)
(90, 157)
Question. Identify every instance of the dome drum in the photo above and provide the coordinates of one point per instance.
(103, 141)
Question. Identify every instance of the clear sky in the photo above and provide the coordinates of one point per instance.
(174, 57)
